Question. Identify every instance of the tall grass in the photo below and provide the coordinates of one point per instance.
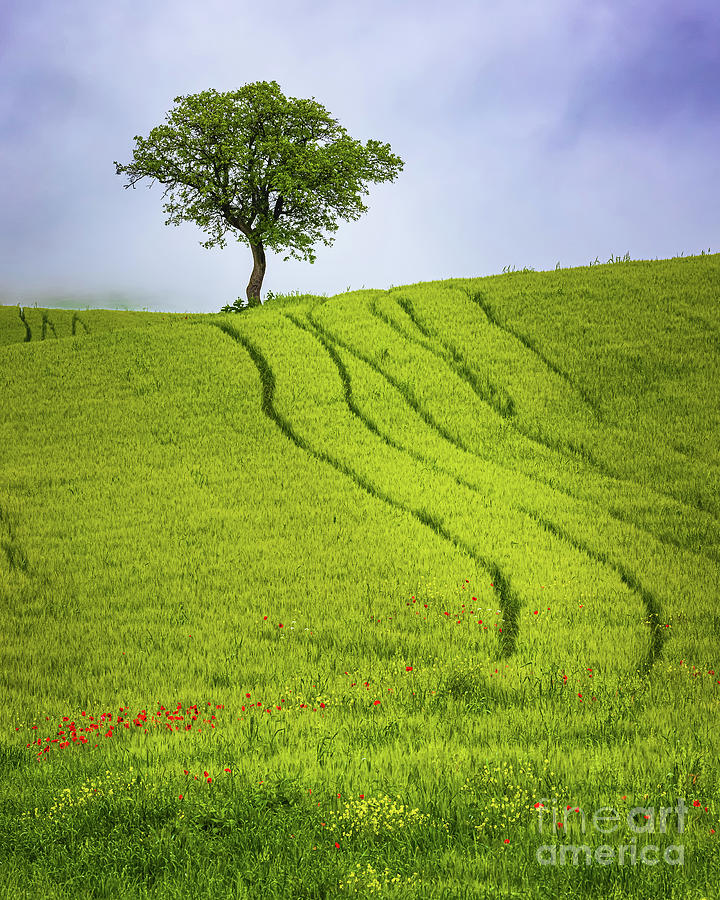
(381, 594)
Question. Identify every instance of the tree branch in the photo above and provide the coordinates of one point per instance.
(278, 207)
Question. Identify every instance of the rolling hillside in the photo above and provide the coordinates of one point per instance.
(435, 532)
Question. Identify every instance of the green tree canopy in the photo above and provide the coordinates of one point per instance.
(251, 161)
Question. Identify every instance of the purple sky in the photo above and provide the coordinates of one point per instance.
(532, 131)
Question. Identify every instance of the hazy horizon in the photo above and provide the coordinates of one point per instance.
(126, 301)
(532, 134)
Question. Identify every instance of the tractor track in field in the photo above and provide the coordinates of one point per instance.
(28, 332)
(478, 298)
(75, 319)
(415, 405)
(507, 598)
(580, 452)
(652, 605)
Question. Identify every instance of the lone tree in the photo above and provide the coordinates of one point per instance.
(250, 160)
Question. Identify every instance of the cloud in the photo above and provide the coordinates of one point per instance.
(531, 132)
(655, 70)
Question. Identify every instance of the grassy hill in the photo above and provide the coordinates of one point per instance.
(438, 561)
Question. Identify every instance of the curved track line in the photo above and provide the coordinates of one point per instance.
(457, 442)
(581, 453)
(509, 602)
(76, 318)
(28, 333)
(462, 371)
(477, 298)
(45, 322)
(494, 395)
(489, 312)
(652, 605)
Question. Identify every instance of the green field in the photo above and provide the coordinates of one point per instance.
(384, 594)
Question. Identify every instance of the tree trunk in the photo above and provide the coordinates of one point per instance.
(258, 273)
